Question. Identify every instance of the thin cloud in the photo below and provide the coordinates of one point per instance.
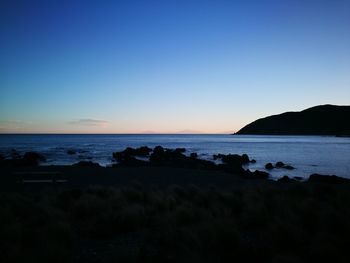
(89, 122)
(13, 124)
(189, 131)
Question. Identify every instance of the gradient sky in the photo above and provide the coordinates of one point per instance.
(168, 66)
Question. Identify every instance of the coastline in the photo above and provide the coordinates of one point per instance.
(308, 154)
(139, 211)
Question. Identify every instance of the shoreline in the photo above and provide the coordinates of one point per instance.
(234, 164)
(155, 211)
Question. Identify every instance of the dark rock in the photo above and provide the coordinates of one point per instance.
(14, 154)
(218, 156)
(169, 157)
(253, 161)
(285, 179)
(71, 152)
(180, 150)
(175, 158)
(245, 158)
(3, 161)
(158, 150)
(86, 164)
(118, 156)
(284, 166)
(28, 159)
(131, 161)
(328, 179)
(269, 166)
(279, 164)
(256, 174)
(34, 155)
(141, 151)
(32, 159)
(234, 169)
(127, 157)
(298, 178)
(158, 155)
(231, 159)
(261, 174)
(194, 155)
(204, 164)
(288, 167)
(233, 162)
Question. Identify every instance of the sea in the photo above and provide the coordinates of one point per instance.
(308, 154)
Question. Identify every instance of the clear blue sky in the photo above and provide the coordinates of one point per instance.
(168, 66)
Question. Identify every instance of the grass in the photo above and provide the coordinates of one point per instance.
(299, 222)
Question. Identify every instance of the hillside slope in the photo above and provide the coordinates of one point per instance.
(318, 120)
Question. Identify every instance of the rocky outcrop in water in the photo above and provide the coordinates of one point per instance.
(280, 165)
(159, 156)
(28, 159)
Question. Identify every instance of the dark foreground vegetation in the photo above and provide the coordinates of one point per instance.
(274, 222)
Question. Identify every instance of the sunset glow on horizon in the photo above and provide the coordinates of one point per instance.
(168, 66)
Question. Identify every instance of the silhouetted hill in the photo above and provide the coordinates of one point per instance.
(318, 120)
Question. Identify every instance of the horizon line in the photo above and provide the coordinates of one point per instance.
(133, 133)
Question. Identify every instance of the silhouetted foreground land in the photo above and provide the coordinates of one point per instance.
(137, 222)
(163, 213)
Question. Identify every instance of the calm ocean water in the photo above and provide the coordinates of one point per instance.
(308, 154)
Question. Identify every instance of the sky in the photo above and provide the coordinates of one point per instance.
(193, 66)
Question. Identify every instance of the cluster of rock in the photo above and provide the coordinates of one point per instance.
(74, 151)
(17, 160)
(316, 178)
(270, 166)
(159, 156)
(329, 179)
(163, 157)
